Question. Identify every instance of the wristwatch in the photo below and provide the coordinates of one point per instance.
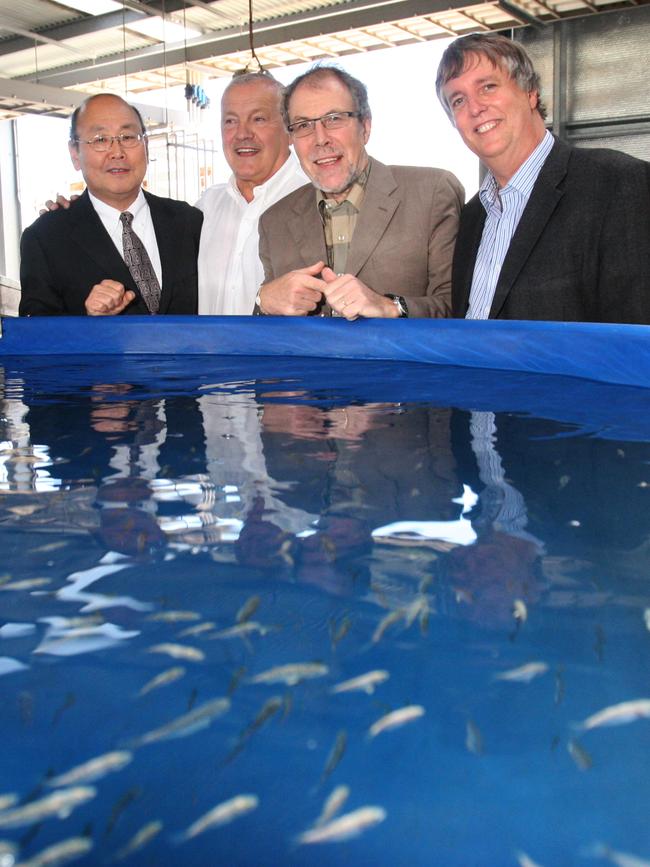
(400, 304)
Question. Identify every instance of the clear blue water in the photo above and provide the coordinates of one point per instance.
(370, 517)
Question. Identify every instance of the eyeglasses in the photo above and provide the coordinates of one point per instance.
(102, 143)
(333, 120)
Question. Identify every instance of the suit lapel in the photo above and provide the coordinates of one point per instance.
(470, 231)
(167, 237)
(306, 229)
(542, 203)
(88, 231)
(379, 205)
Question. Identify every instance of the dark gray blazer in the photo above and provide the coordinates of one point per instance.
(65, 253)
(581, 251)
(403, 241)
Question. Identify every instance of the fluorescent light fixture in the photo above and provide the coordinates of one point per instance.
(93, 7)
(163, 31)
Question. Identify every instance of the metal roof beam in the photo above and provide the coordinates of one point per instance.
(89, 24)
(232, 40)
(67, 100)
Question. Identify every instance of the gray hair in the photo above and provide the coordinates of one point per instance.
(319, 74)
(253, 78)
(74, 119)
(500, 51)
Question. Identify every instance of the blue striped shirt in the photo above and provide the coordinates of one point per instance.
(504, 209)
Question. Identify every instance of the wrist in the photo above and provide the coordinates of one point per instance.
(399, 305)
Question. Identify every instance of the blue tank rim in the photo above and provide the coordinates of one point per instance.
(612, 353)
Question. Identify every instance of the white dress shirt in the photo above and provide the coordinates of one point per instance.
(230, 271)
(142, 226)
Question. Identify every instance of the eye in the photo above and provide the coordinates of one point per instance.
(102, 140)
(334, 117)
(228, 121)
(456, 102)
(128, 138)
(301, 126)
(260, 119)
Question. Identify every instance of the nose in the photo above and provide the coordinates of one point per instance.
(116, 148)
(475, 104)
(244, 130)
(321, 135)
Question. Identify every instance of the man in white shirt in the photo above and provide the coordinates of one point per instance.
(256, 146)
(116, 249)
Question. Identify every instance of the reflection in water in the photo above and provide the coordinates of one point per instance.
(350, 628)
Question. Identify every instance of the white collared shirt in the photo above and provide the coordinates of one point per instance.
(504, 208)
(142, 226)
(230, 270)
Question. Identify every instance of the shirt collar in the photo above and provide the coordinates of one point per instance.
(288, 167)
(110, 214)
(523, 179)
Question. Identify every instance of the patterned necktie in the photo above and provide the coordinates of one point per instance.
(139, 264)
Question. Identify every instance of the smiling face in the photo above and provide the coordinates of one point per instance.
(332, 159)
(114, 176)
(255, 142)
(496, 119)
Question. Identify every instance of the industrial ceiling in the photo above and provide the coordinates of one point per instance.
(52, 54)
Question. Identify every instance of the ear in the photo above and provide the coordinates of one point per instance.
(533, 99)
(367, 125)
(74, 155)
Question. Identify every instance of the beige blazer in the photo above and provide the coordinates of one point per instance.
(403, 242)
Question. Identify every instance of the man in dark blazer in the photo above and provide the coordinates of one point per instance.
(555, 232)
(363, 239)
(72, 260)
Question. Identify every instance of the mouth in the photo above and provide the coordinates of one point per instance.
(486, 126)
(325, 162)
(246, 152)
(118, 171)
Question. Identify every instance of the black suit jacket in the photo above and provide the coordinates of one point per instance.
(581, 251)
(64, 253)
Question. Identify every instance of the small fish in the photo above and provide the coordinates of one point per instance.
(69, 702)
(269, 709)
(27, 584)
(473, 738)
(242, 630)
(621, 859)
(139, 840)
(523, 674)
(336, 753)
(524, 861)
(178, 651)
(7, 801)
(292, 673)
(236, 678)
(222, 814)
(186, 724)
(519, 610)
(332, 805)
(646, 618)
(199, 629)
(364, 682)
(559, 686)
(162, 679)
(600, 642)
(396, 718)
(92, 770)
(416, 609)
(248, 609)
(579, 755)
(8, 853)
(59, 853)
(120, 806)
(388, 620)
(60, 804)
(174, 616)
(349, 825)
(339, 631)
(617, 714)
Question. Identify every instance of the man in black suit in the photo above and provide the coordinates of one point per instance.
(555, 232)
(74, 262)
